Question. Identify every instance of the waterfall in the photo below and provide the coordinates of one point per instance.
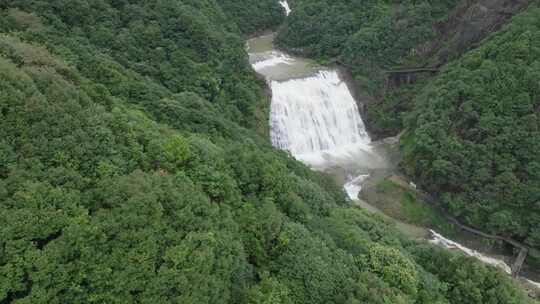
(286, 6)
(314, 114)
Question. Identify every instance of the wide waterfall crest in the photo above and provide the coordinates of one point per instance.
(314, 114)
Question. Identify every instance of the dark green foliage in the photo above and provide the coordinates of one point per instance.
(372, 32)
(475, 133)
(127, 173)
(252, 16)
(385, 117)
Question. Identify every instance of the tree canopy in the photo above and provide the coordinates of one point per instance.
(134, 168)
(368, 38)
(475, 133)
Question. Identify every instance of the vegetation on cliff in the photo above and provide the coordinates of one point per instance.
(252, 16)
(474, 130)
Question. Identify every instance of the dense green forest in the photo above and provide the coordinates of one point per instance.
(134, 168)
(253, 16)
(368, 37)
(474, 131)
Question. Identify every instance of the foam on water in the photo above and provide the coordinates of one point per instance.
(446, 243)
(449, 244)
(535, 284)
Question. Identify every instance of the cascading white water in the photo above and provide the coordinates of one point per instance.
(311, 114)
(354, 186)
(440, 240)
(285, 5)
(314, 114)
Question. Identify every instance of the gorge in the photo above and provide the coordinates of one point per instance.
(147, 155)
(315, 118)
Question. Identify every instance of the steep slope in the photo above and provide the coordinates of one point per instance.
(475, 133)
(181, 46)
(468, 24)
(474, 128)
(252, 16)
(373, 37)
(368, 37)
(132, 171)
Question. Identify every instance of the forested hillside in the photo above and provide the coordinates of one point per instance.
(328, 28)
(373, 37)
(475, 133)
(367, 37)
(252, 16)
(134, 168)
(473, 136)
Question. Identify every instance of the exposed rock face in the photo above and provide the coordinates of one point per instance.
(469, 23)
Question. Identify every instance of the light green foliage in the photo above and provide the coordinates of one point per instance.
(315, 271)
(176, 150)
(404, 204)
(269, 291)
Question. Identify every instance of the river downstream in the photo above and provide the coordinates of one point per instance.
(315, 118)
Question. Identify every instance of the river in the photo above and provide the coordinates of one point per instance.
(314, 116)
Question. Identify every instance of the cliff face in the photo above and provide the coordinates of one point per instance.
(463, 29)
(468, 24)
